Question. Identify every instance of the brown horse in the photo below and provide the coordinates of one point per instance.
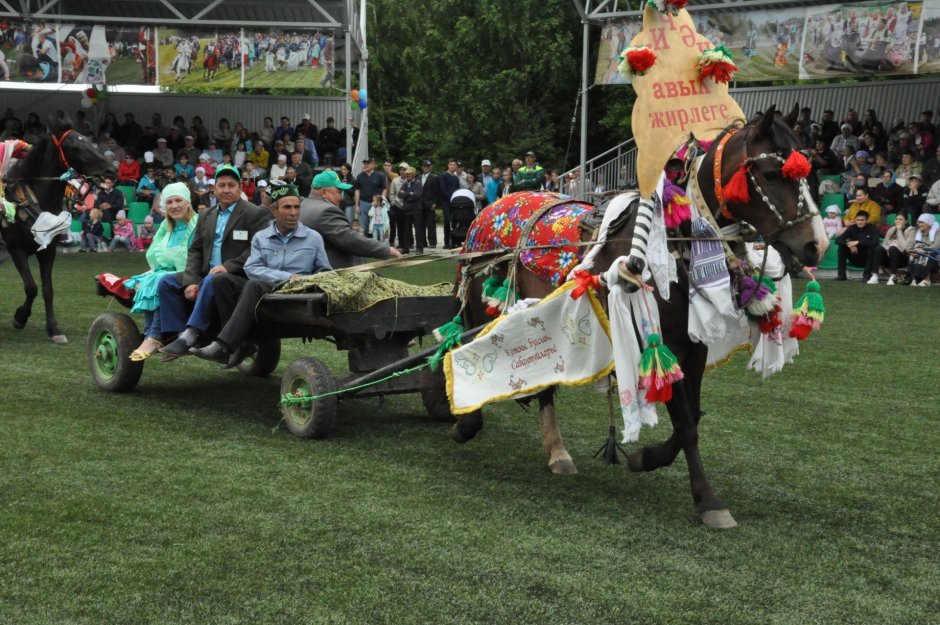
(34, 185)
(780, 210)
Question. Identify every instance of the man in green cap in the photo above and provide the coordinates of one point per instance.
(531, 176)
(221, 245)
(285, 249)
(321, 212)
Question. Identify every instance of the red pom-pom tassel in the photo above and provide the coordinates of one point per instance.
(736, 190)
(796, 166)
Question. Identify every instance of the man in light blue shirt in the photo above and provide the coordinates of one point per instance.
(283, 250)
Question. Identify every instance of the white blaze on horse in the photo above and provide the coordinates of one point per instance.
(35, 186)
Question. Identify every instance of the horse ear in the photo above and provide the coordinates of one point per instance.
(792, 115)
(765, 125)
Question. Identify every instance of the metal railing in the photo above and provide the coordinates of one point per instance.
(613, 170)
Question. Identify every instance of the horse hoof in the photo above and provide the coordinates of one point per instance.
(563, 467)
(462, 435)
(635, 461)
(18, 325)
(60, 339)
(718, 519)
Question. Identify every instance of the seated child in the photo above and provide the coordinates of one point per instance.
(145, 233)
(833, 221)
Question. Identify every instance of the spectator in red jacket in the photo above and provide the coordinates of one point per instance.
(129, 170)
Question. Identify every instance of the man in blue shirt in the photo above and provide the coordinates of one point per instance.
(220, 245)
(285, 249)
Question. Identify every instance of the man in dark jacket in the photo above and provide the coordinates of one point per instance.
(429, 199)
(321, 212)
(859, 242)
(448, 182)
(221, 243)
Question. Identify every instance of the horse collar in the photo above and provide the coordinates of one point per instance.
(719, 151)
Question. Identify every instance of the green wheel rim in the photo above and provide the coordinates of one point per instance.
(299, 414)
(106, 355)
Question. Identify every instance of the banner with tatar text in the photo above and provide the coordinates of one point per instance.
(559, 340)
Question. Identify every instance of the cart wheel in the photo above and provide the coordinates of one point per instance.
(434, 396)
(111, 339)
(306, 377)
(265, 360)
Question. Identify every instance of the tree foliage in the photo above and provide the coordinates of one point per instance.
(483, 79)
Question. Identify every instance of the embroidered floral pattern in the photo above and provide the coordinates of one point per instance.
(500, 224)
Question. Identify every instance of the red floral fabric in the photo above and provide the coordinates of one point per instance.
(500, 225)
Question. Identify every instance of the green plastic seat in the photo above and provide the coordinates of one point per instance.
(76, 226)
(829, 199)
(106, 229)
(890, 218)
(129, 192)
(137, 211)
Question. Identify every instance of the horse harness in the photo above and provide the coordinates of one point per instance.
(802, 211)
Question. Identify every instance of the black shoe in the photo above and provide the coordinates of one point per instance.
(420, 251)
(174, 350)
(840, 278)
(239, 355)
(213, 351)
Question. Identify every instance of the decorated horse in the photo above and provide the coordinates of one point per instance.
(33, 213)
(696, 266)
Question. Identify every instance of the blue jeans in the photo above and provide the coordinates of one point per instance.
(175, 315)
(350, 211)
(378, 232)
(364, 208)
(152, 325)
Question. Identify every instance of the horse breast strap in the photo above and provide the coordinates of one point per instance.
(719, 152)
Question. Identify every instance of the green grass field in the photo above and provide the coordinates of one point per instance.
(186, 502)
(304, 78)
(125, 71)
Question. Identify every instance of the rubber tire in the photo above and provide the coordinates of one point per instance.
(265, 360)
(434, 397)
(316, 419)
(120, 330)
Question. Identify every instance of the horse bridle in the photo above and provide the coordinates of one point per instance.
(802, 212)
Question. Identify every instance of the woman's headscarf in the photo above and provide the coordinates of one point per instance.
(175, 189)
(928, 218)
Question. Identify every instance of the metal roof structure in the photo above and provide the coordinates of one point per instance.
(599, 11)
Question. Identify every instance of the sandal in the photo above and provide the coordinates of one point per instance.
(139, 356)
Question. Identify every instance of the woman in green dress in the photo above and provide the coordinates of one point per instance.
(167, 254)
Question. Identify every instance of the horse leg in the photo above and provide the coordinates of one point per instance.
(21, 262)
(653, 457)
(712, 510)
(467, 426)
(559, 461)
(46, 262)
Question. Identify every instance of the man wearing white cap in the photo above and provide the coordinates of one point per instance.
(486, 172)
(163, 154)
(279, 168)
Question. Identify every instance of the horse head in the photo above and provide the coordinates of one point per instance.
(759, 177)
(75, 151)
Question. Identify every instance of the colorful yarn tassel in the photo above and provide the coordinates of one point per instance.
(758, 299)
(717, 64)
(585, 280)
(498, 298)
(636, 61)
(770, 322)
(796, 166)
(736, 190)
(659, 368)
(448, 335)
(677, 205)
(808, 313)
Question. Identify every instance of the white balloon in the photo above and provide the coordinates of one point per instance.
(86, 102)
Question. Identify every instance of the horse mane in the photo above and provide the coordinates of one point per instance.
(32, 162)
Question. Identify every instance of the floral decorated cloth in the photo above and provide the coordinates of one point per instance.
(499, 226)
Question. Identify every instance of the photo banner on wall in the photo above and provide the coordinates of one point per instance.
(199, 58)
(301, 59)
(101, 55)
(832, 41)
